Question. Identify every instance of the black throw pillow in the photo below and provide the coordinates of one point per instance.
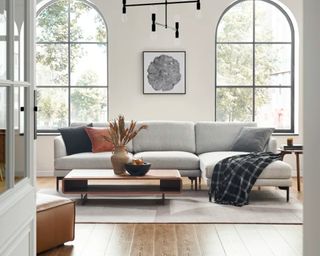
(76, 139)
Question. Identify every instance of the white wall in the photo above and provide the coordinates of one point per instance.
(127, 41)
(45, 156)
(312, 124)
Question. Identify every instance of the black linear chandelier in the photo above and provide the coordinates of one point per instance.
(153, 15)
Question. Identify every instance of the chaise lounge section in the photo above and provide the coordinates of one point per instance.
(214, 143)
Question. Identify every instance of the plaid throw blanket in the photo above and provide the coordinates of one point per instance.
(233, 177)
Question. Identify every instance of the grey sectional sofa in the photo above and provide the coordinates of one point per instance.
(192, 148)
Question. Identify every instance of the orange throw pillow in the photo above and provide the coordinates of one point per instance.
(99, 144)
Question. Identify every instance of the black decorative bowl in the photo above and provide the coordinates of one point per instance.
(138, 170)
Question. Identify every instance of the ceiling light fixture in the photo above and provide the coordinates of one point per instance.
(154, 23)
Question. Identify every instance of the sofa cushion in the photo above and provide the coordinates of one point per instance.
(75, 139)
(165, 136)
(252, 139)
(217, 136)
(276, 170)
(97, 137)
(170, 159)
(90, 160)
(127, 123)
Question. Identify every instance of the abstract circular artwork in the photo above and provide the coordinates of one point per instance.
(164, 72)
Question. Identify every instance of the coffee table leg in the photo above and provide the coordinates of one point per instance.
(84, 198)
(163, 198)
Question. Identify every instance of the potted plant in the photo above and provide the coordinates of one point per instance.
(120, 136)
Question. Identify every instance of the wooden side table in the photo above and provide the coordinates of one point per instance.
(297, 152)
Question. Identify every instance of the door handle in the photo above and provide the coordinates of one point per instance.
(35, 110)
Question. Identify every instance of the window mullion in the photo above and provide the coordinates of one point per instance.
(293, 89)
(254, 62)
(69, 65)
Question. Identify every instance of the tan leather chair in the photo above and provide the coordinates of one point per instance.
(55, 221)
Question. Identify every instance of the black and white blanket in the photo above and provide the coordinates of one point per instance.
(234, 177)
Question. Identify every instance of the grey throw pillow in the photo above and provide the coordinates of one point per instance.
(252, 139)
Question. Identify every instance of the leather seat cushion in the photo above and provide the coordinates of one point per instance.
(45, 201)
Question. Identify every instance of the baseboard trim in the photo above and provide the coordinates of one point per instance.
(45, 174)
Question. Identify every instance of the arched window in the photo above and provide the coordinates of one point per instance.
(255, 65)
(71, 64)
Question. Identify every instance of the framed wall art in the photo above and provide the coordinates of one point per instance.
(164, 72)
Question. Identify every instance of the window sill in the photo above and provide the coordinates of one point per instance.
(47, 134)
(285, 134)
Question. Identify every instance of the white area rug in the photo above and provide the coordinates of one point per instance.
(266, 206)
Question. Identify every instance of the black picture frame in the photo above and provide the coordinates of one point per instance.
(175, 59)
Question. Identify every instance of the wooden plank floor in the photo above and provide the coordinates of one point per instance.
(181, 239)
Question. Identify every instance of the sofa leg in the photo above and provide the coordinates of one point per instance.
(287, 189)
(199, 183)
(195, 180)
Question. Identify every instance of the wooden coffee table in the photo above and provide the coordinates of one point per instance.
(104, 182)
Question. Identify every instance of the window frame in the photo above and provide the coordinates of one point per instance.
(69, 43)
(254, 43)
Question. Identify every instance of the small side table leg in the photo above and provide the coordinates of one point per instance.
(298, 169)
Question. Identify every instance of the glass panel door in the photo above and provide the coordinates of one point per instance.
(3, 137)
(19, 20)
(3, 95)
(19, 135)
(3, 40)
(17, 190)
(19, 92)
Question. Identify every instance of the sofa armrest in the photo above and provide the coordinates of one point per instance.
(59, 147)
(272, 145)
